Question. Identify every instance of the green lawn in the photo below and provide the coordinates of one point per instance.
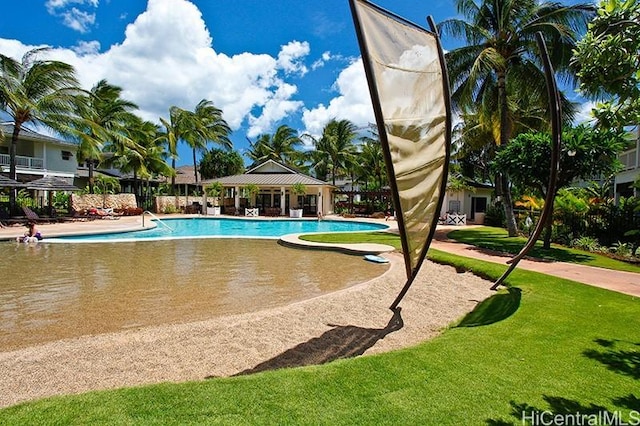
(489, 238)
(546, 344)
(499, 240)
(356, 237)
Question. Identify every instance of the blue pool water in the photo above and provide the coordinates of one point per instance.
(221, 228)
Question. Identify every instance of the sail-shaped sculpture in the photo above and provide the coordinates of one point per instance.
(409, 87)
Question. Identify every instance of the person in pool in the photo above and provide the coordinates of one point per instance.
(32, 235)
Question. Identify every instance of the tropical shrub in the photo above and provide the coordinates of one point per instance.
(61, 201)
(170, 209)
(586, 243)
(494, 216)
(621, 249)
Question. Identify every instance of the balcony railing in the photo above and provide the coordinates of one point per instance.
(22, 162)
(628, 159)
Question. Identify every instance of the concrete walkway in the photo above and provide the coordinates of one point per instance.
(96, 226)
(622, 282)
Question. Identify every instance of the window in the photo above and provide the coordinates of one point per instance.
(66, 155)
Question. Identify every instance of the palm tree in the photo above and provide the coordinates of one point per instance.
(501, 55)
(205, 124)
(319, 163)
(101, 118)
(196, 128)
(146, 158)
(34, 90)
(371, 162)
(170, 136)
(336, 144)
(281, 146)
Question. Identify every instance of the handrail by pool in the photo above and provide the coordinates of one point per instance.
(156, 218)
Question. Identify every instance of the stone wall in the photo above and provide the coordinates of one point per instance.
(177, 202)
(109, 201)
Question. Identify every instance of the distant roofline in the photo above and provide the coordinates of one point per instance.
(28, 133)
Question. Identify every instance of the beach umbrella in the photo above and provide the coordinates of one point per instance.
(5, 182)
(50, 184)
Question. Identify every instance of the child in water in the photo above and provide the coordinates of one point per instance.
(32, 235)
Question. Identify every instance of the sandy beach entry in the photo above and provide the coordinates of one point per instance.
(345, 323)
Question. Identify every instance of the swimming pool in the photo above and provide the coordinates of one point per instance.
(186, 228)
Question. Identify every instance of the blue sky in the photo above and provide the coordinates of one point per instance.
(264, 63)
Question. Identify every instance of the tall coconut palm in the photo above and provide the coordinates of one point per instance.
(34, 90)
(171, 135)
(145, 158)
(203, 125)
(101, 119)
(502, 54)
(281, 146)
(371, 162)
(337, 145)
(259, 150)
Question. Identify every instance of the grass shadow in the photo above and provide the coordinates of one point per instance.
(499, 242)
(494, 309)
(339, 342)
(630, 401)
(529, 414)
(616, 358)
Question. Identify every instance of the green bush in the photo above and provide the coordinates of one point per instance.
(170, 209)
(494, 216)
(61, 201)
(586, 243)
(621, 249)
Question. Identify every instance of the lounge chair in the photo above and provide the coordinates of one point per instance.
(6, 220)
(103, 213)
(33, 216)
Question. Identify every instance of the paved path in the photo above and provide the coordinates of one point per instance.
(48, 230)
(622, 282)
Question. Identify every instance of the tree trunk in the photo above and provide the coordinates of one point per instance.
(13, 194)
(136, 187)
(507, 202)
(91, 179)
(505, 136)
(195, 166)
(173, 178)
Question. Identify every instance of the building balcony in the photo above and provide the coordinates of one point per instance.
(22, 162)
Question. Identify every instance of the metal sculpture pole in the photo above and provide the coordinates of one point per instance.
(555, 110)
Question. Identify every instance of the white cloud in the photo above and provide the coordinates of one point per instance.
(87, 47)
(53, 5)
(319, 63)
(72, 16)
(291, 56)
(353, 102)
(167, 59)
(78, 20)
(278, 106)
